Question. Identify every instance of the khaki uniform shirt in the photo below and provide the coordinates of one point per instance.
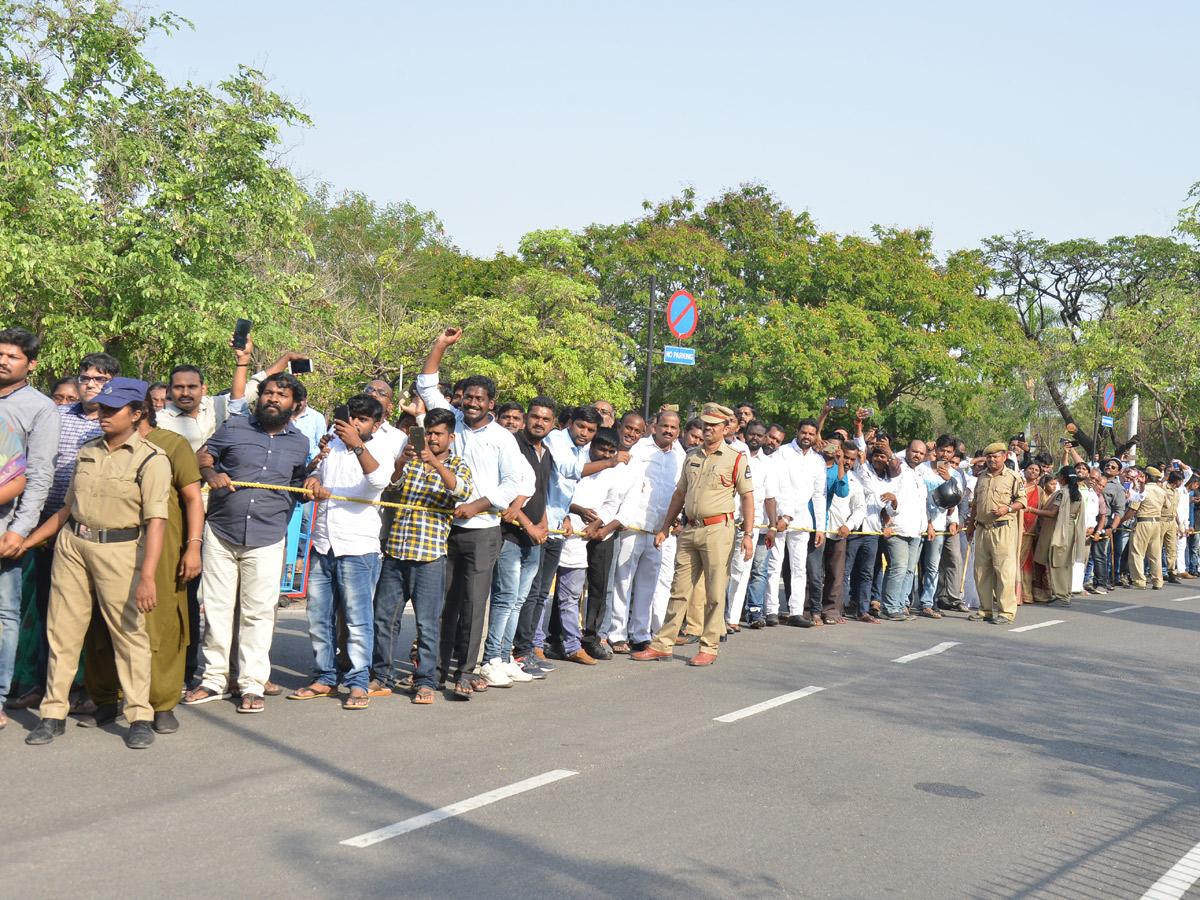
(710, 481)
(1154, 502)
(105, 490)
(991, 491)
(1170, 504)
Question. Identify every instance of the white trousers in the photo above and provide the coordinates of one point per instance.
(1077, 572)
(259, 570)
(637, 566)
(1181, 554)
(662, 589)
(774, 576)
(797, 545)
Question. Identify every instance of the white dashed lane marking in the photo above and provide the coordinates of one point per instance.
(768, 704)
(1109, 612)
(456, 809)
(1039, 625)
(1178, 880)
(940, 648)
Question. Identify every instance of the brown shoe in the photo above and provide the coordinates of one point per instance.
(703, 659)
(686, 639)
(649, 653)
(539, 653)
(581, 656)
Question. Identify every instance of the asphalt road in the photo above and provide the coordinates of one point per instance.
(1056, 762)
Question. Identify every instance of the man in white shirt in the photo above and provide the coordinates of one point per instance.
(910, 519)
(190, 412)
(802, 471)
(344, 563)
(871, 476)
(943, 524)
(748, 578)
(648, 482)
(497, 469)
(846, 515)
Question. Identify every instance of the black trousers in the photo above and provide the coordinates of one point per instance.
(471, 555)
(192, 656)
(814, 576)
(600, 557)
(534, 606)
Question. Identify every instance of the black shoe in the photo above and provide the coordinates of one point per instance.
(598, 651)
(1174, 579)
(638, 646)
(978, 617)
(756, 623)
(800, 621)
(105, 714)
(46, 731)
(165, 722)
(140, 736)
(772, 620)
(897, 617)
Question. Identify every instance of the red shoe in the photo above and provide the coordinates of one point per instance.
(649, 653)
(703, 659)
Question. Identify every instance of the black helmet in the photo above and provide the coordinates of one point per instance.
(948, 494)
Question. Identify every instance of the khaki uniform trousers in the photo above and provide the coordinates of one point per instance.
(702, 551)
(1167, 542)
(1060, 571)
(1147, 541)
(996, 569)
(694, 620)
(165, 625)
(109, 573)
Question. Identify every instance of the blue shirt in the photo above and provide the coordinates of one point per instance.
(245, 451)
(834, 487)
(569, 461)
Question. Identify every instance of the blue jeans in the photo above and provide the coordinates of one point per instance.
(1193, 553)
(931, 561)
(902, 555)
(756, 587)
(10, 622)
(1098, 564)
(861, 553)
(1120, 542)
(425, 584)
(511, 581)
(348, 583)
(529, 622)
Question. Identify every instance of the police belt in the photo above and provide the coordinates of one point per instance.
(1148, 519)
(999, 523)
(103, 535)
(711, 520)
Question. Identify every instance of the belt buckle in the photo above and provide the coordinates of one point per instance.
(84, 532)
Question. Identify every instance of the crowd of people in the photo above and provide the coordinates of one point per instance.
(150, 521)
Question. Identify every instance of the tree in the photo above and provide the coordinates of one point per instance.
(136, 217)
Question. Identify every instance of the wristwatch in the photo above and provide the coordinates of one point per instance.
(359, 450)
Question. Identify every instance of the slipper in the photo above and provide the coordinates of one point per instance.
(85, 707)
(251, 703)
(377, 689)
(3, 719)
(930, 613)
(270, 689)
(406, 685)
(462, 690)
(27, 700)
(204, 695)
(307, 693)
(478, 683)
(423, 696)
(833, 620)
(356, 702)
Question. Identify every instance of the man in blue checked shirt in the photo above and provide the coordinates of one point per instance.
(497, 470)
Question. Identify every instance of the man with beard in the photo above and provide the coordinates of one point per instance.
(802, 469)
(748, 579)
(910, 519)
(863, 548)
(775, 438)
(995, 502)
(511, 415)
(245, 536)
(745, 415)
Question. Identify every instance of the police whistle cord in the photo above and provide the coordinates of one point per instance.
(446, 512)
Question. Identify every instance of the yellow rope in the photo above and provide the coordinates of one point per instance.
(488, 512)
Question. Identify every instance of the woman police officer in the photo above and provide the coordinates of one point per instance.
(115, 516)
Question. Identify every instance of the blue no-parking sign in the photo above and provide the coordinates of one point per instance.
(681, 314)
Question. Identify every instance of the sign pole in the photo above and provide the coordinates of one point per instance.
(1096, 420)
(649, 351)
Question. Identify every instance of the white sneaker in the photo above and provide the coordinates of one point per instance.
(514, 671)
(494, 674)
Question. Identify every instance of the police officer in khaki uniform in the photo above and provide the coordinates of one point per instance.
(1148, 514)
(713, 474)
(1170, 523)
(995, 504)
(110, 535)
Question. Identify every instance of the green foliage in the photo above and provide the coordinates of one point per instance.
(136, 217)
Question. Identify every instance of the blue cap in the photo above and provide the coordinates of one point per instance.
(121, 391)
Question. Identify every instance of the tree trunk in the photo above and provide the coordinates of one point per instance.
(1083, 440)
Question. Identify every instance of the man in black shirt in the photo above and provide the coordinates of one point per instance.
(524, 530)
(244, 537)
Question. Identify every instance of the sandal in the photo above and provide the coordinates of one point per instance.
(407, 685)
(203, 695)
(84, 706)
(817, 620)
(462, 690)
(423, 696)
(621, 647)
(251, 703)
(270, 689)
(478, 683)
(356, 701)
(27, 700)
(377, 689)
(311, 693)
(832, 620)
(929, 613)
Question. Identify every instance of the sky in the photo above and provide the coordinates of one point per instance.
(1064, 119)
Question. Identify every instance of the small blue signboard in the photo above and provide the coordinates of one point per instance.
(1110, 397)
(1106, 421)
(684, 356)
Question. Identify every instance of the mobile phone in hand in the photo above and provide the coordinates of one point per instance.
(300, 366)
(341, 413)
(838, 403)
(241, 331)
(416, 438)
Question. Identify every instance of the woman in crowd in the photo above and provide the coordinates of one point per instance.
(1033, 475)
(65, 392)
(1062, 542)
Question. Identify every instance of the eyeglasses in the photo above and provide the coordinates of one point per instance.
(100, 379)
(379, 392)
